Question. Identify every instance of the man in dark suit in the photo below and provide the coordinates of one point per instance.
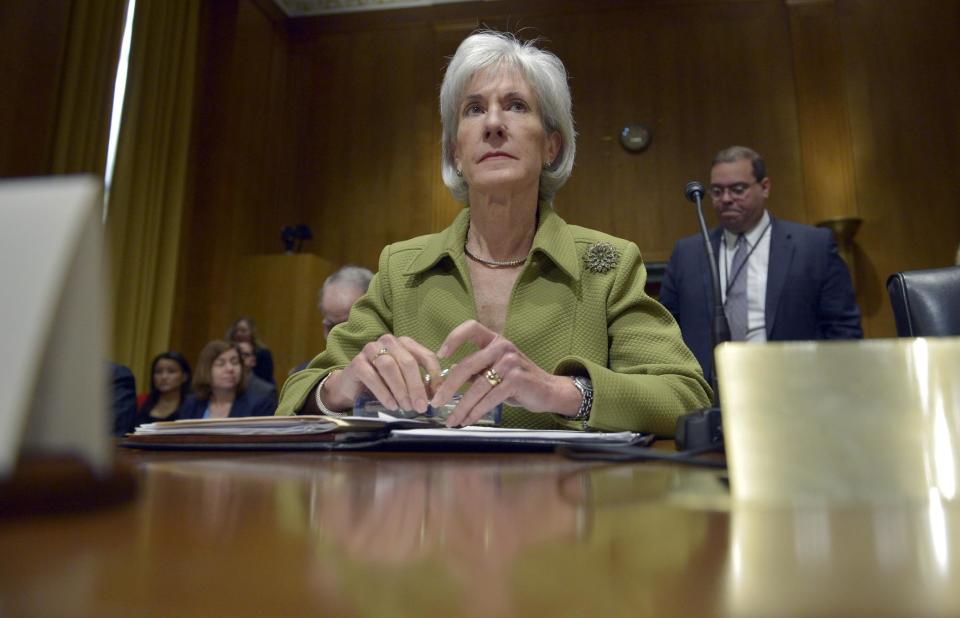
(781, 281)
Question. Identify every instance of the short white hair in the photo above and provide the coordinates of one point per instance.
(350, 275)
(547, 78)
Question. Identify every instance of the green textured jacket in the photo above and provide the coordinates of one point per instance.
(564, 316)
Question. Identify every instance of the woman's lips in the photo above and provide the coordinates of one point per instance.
(498, 155)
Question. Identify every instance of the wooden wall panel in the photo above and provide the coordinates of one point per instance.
(676, 68)
(33, 38)
(282, 290)
(825, 139)
(237, 168)
(680, 66)
(365, 147)
(902, 66)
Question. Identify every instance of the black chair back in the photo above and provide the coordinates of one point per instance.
(926, 303)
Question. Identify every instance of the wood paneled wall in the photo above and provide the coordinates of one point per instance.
(902, 78)
(333, 122)
(242, 149)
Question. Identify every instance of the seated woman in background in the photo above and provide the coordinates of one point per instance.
(245, 329)
(219, 389)
(522, 308)
(169, 388)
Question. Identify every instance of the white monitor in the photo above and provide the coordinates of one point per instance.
(53, 321)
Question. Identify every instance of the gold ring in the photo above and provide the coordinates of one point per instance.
(381, 352)
(493, 377)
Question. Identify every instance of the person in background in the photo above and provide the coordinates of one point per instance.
(781, 281)
(123, 392)
(522, 308)
(219, 388)
(337, 295)
(245, 329)
(256, 386)
(169, 387)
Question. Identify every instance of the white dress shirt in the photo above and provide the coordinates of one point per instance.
(756, 270)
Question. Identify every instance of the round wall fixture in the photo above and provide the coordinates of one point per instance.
(635, 137)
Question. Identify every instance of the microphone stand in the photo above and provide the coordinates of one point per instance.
(703, 428)
(720, 328)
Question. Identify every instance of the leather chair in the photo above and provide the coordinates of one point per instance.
(926, 303)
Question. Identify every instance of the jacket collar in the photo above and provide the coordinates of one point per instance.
(553, 239)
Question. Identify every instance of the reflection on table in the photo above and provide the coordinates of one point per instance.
(470, 535)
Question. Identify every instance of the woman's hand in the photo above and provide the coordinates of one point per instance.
(500, 373)
(390, 369)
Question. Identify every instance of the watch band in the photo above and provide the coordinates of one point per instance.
(585, 386)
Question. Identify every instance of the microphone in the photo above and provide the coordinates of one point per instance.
(703, 428)
(694, 192)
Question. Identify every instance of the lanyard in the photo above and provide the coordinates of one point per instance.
(732, 280)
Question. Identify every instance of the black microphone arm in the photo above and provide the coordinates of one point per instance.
(704, 428)
(721, 328)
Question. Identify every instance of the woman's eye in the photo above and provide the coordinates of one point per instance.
(473, 108)
(518, 106)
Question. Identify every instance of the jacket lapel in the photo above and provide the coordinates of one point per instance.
(781, 254)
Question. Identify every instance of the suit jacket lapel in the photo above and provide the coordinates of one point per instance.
(781, 254)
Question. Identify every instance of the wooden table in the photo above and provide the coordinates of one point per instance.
(366, 534)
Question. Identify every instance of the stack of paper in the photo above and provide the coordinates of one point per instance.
(265, 432)
(257, 426)
(257, 432)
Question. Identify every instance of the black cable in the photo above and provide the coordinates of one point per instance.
(632, 453)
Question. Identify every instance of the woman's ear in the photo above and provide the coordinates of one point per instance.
(552, 147)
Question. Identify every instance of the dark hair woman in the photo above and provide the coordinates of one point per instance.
(169, 387)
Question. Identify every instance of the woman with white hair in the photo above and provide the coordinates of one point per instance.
(523, 309)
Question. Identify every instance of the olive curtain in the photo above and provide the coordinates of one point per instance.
(86, 87)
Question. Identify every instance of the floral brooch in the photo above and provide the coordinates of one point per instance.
(601, 257)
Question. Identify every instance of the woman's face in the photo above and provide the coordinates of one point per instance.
(501, 142)
(168, 376)
(242, 331)
(225, 373)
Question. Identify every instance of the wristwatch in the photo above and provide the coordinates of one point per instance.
(585, 386)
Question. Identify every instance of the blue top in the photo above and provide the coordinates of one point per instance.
(246, 404)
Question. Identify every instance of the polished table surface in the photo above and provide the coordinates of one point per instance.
(484, 534)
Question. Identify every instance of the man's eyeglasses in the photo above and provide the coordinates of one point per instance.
(737, 190)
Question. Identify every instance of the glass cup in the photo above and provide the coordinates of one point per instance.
(366, 405)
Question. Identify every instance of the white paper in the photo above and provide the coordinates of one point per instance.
(502, 434)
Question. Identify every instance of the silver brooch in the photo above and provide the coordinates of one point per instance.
(601, 257)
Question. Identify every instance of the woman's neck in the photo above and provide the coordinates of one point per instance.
(170, 397)
(502, 227)
(219, 395)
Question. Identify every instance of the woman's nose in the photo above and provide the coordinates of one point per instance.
(493, 122)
